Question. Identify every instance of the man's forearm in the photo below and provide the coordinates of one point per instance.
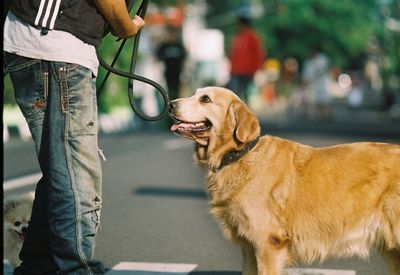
(116, 13)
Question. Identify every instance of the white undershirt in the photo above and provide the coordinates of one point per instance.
(56, 45)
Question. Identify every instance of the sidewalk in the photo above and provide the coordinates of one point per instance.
(344, 121)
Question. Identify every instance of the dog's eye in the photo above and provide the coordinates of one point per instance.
(17, 223)
(205, 99)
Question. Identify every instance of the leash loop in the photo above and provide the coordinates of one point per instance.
(130, 75)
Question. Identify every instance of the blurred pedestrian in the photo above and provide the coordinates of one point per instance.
(50, 54)
(172, 53)
(316, 77)
(246, 57)
(300, 101)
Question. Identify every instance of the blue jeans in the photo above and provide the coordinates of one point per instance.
(58, 101)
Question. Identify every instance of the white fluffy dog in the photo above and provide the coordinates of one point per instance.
(16, 215)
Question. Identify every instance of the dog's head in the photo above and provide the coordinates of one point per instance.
(217, 120)
(16, 214)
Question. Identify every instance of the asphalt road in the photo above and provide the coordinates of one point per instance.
(154, 205)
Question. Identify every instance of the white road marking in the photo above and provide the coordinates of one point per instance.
(21, 182)
(187, 268)
(176, 143)
(314, 271)
(154, 267)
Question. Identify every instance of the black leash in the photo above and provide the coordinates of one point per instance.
(110, 69)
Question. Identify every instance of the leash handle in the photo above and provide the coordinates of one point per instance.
(110, 69)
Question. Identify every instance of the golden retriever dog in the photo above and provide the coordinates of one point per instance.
(285, 202)
(16, 215)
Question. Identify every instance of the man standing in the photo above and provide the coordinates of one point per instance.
(316, 76)
(246, 57)
(172, 53)
(50, 54)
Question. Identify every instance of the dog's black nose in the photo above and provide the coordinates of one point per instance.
(24, 229)
(172, 105)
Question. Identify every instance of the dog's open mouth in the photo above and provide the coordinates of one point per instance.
(22, 235)
(192, 127)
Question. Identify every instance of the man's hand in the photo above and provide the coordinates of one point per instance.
(117, 14)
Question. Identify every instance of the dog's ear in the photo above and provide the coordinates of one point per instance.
(247, 127)
(7, 205)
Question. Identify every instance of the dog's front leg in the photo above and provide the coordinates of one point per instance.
(267, 264)
(249, 264)
(272, 256)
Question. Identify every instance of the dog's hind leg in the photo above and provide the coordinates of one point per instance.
(392, 258)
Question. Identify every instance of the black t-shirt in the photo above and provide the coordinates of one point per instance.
(173, 55)
(78, 17)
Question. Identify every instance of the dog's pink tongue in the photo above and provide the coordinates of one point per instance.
(174, 127)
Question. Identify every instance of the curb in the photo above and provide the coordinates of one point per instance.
(386, 129)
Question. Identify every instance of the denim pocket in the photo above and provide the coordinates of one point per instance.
(78, 99)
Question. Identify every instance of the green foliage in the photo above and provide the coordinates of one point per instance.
(340, 28)
(390, 44)
(8, 91)
(165, 3)
(115, 91)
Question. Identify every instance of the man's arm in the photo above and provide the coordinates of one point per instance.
(117, 14)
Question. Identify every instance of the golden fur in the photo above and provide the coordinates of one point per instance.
(284, 201)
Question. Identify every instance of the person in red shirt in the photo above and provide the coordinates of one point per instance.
(246, 57)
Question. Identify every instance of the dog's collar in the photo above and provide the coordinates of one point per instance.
(233, 156)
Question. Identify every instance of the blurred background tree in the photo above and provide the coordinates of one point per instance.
(115, 91)
(292, 27)
(388, 32)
